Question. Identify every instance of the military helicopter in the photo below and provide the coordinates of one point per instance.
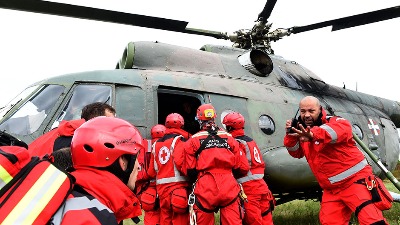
(152, 80)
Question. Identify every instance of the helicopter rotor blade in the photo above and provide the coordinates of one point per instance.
(83, 12)
(352, 21)
(266, 12)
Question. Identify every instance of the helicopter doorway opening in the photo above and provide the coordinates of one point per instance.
(184, 103)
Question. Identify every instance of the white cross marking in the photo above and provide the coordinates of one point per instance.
(374, 127)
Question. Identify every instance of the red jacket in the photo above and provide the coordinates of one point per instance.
(253, 182)
(162, 165)
(213, 158)
(143, 179)
(102, 199)
(44, 144)
(332, 154)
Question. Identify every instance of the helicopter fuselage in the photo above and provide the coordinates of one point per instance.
(155, 79)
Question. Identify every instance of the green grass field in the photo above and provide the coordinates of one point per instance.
(306, 212)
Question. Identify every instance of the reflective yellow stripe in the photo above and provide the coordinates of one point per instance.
(5, 177)
(34, 201)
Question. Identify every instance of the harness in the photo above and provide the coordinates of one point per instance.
(211, 141)
(380, 196)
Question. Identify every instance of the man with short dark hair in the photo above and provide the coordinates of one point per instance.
(67, 128)
(97, 109)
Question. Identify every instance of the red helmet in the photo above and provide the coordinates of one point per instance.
(101, 140)
(158, 131)
(174, 120)
(206, 112)
(234, 120)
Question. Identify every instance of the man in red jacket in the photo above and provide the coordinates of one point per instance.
(260, 201)
(213, 160)
(103, 153)
(338, 165)
(171, 183)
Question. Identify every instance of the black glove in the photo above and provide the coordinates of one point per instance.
(192, 175)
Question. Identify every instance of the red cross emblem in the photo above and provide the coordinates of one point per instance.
(373, 127)
(163, 155)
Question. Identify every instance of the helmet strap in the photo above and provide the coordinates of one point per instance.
(229, 128)
(116, 169)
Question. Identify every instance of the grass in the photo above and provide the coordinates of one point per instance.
(306, 212)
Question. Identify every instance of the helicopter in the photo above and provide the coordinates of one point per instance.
(153, 79)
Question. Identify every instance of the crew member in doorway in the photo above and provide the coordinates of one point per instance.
(171, 183)
(213, 160)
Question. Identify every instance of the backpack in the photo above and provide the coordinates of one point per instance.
(31, 188)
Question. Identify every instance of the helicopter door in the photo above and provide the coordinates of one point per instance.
(184, 103)
(391, 143)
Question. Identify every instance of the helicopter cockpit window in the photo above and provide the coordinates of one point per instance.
(16, 100)
(83, 95)
(31, 115)
(357, 130)
(266, 124)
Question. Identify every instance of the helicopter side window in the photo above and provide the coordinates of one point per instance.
(82, 96)
(30, 116)
(357, 130)
(266, 124)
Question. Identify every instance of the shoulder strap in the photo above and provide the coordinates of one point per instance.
(35, 193)
(17, 178)
(211, 134)
(174, 142)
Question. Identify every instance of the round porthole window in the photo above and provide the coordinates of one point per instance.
(266, 124)
(357, 130)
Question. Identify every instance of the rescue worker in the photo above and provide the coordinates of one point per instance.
(260, 202)
(103, 153)
(146, 187)
(61, 136)
(171, 184)
(213, 160)
(338, 165)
